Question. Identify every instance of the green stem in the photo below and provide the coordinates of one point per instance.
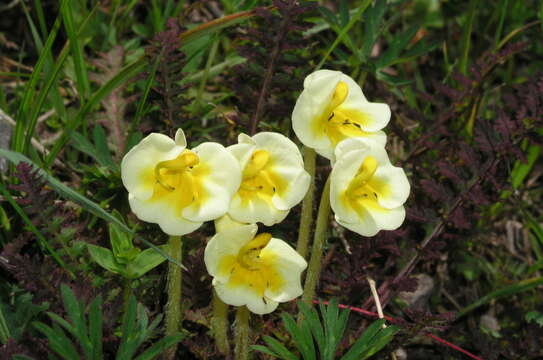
(241, 350)
(314, 268)
(306, 219)
(219, 324)
(173, 307)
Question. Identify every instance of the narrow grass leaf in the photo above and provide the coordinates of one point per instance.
(82, 77)
(127, 73)
(30, 89)
(510, 290)
(70, 194)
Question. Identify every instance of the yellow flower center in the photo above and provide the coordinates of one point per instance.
(174, 168)
(249, 255)
(339, 122)
(362, 192)
(179, 181)
(259, 179)
(253, 267)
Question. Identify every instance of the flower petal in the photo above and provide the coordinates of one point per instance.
(286, 164)
(220, 183)
(391, 186)
(163, 214)
(243, 295)
(180, 138)
(310, 106)
(225, 243)
(226, 222)
(255, 209)
(138, 165)
(289, 264)
(342, 174)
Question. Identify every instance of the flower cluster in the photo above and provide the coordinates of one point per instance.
(333, 116)
(257, 180)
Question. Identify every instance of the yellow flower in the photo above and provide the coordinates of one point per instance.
(273, 178)
(367, 193)
(178, 188)
(256, 271)
(332, 108)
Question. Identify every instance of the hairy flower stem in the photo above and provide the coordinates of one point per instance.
(314, 269)
(173, 307)
(306, 219)
(241, 351)
(219, 324)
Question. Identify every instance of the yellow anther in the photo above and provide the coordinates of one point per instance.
(365, 173)
(176, 166)
(258, 161)
(249, 254)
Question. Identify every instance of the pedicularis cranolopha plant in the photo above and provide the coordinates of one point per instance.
(258, 181)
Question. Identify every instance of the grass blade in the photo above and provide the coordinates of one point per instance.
(510, 290)
(70, 194)
(82, 77)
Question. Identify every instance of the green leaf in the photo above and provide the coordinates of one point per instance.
(279, 348)
(510, 290)
(362, 345)
(311, 318)
(159, 347)
(58, 341)
(145, 261)
(521, 169)
(380, 340)
(104, 257)
(121, 242)
(303, 340)
(372, 21)
(95, 327)
(84, 202)
(103, 155)
(264, 350)
(398, 44)
(82, 77)
(75, 311)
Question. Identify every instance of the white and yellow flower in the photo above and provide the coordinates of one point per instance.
(256, 271)
(178, 188)
(367, 193)
(332, 108)
(273, 178)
